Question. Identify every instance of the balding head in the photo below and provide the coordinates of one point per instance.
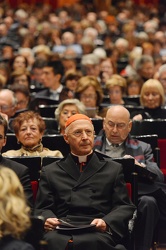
(7, 102)
(117, 124)
(119, 111)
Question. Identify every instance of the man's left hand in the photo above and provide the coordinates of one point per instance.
(100, 225)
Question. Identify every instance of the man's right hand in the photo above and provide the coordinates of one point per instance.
(51, 223)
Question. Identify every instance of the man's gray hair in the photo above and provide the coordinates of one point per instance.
(139, 62)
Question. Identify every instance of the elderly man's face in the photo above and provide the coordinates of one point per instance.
(6, 105)
(117, 125)
(92, 70)
(80, 137)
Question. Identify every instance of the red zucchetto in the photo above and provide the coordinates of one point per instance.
(75, 118)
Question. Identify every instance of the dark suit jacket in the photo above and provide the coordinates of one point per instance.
(99, 192)
(23, 174)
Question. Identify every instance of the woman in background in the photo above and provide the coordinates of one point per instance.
(14, 212)
(152, 98)
(116, 89)
(66, 109)
(134, 85)
(90, 93)
(29, 128)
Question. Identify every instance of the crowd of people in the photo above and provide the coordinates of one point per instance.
(84, 59)
(54, 52)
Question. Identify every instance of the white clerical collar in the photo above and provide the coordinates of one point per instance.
(82, 158)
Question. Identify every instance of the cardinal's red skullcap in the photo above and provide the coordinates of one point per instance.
(75, 118)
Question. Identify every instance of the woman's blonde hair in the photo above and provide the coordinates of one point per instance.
(116, 80)
(14, 212)
(152, 83)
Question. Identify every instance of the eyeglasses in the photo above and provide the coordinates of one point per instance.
(20, 80)
(119, 126)
(162, 79)
(21, 102)
(80, 133)
(4, 108)
(117, 92)
(92, 96)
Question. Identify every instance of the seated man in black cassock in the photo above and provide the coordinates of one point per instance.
(82, 190)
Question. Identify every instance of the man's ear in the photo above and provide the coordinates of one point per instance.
(104, 124)
(66, 138)
(4, 142)
(58, 77)
(130, 125)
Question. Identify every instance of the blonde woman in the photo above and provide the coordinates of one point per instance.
(14, 212)
(152, 98)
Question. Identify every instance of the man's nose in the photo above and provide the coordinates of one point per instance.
(84, 135)
(115, 128)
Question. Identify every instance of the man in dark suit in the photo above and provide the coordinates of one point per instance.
(82, 189)
(51, 79)
(21, 170)
(115, 141)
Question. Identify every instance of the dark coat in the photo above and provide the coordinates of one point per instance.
(23, 175)
(157, 113)
(99, 192)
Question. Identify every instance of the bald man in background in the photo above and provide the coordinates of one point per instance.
(115, 140)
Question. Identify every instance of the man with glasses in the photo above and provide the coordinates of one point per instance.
(83, 190)
(115, 141)
(8, 102)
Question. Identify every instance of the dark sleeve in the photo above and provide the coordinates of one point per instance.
(26, 183)
(122, 207)
(44, 204)
(150, 164)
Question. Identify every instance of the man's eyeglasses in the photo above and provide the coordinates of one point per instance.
(92, 96)
(20, 80)
(162, 79)
(118, 125)
(80, 133)
(4, 108)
